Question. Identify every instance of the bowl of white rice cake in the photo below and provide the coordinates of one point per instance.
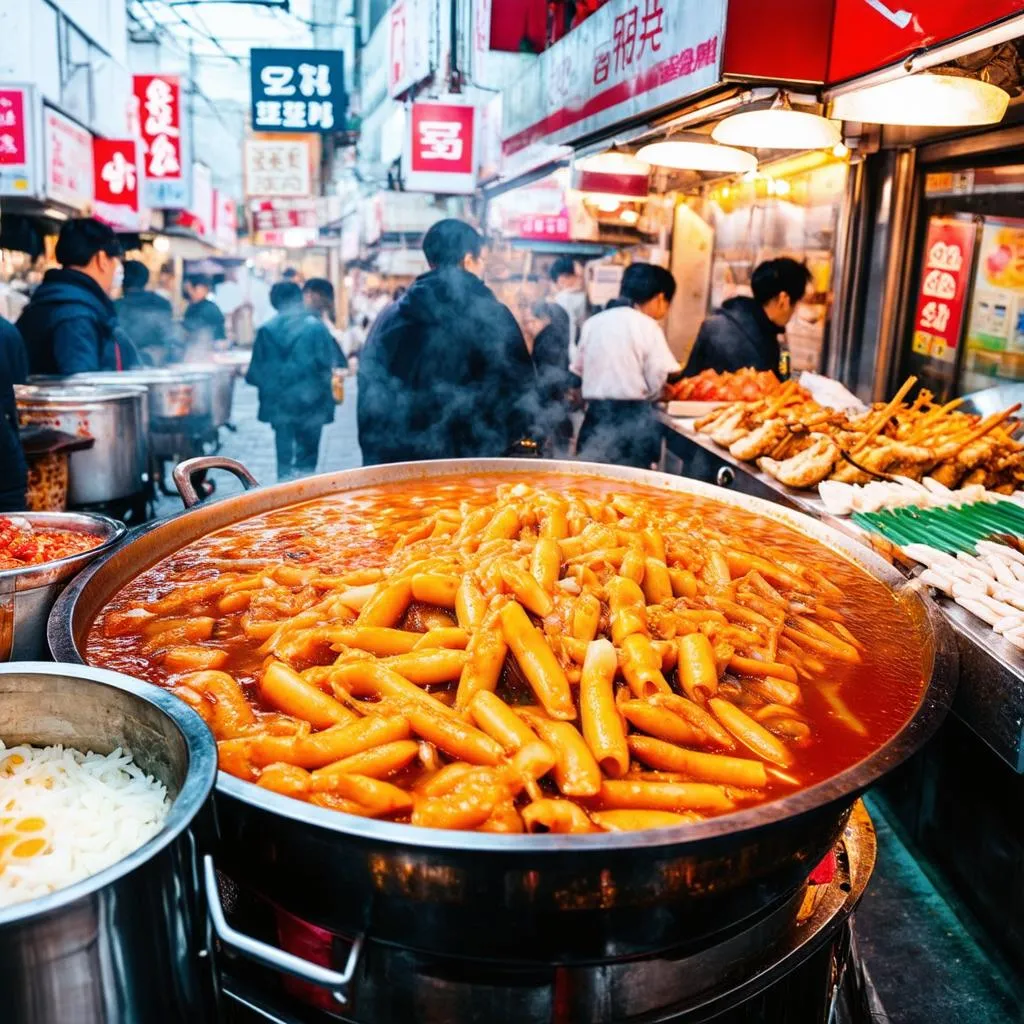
(105, 784)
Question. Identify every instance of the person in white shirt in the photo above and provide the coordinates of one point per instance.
(624, 363)
(569, 294)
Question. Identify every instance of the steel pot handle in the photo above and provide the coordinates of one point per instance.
(271, 956)
(185, 471)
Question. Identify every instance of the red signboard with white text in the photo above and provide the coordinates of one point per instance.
(629, 58)
(116, 183)
(871, 34)
(166, 183)
(939, 313)
(441, 148)
(13, 144)
(19, 123)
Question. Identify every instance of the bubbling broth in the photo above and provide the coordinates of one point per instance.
(557, 653)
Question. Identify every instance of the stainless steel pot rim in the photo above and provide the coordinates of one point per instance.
(67, 521)
(76, 393)
(935, 701)
(199, 780)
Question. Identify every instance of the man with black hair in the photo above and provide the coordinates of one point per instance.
(147, 318)
(70, 326)
(203, 321)
(569, 294)
(293, 359)
(624, 362)
(745, 331)
(445, 372)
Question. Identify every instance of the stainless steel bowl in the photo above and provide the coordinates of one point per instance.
(124, 946)
(27, 595)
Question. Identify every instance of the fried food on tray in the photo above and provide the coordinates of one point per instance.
(744, 385)
(571, 655)
(787, 434)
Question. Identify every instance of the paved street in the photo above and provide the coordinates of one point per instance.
(252, 443)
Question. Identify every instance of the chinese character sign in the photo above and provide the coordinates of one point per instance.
(298, 90)
(410, 31)
(165, 182)
(442, 153)
(116, 182)
(948, 253)
(277, 167)
(13, 147)
(628, 58)
(68, 156)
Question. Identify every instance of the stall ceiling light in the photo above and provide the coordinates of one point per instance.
(611, 162)
(932, 100)
(691, 155)
(779, 127)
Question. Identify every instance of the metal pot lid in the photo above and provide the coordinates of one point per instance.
(148, 376)
(64, 391)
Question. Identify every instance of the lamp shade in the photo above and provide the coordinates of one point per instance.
(932, 100)
(611, 162)
(697, 155)
(777, 128)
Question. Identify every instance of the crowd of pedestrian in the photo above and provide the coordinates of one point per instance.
(444, 368)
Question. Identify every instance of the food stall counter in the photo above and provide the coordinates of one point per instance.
(990, 697)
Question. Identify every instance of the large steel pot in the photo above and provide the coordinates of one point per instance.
(28, 594)
(115, 416)
(223, 387)
(124, 946)
(174, 392)
(542, 898)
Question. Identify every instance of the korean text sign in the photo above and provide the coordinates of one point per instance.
(939, 314)
(160, 126)
(628, 58)
(116, 182)
(442, 147)
(298, 90)
(69, 173)
(277, 168)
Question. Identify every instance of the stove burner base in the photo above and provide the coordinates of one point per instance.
(796, 964)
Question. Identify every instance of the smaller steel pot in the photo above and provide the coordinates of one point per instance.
(127, 945)
(223, 387)
(174, 392)
(27, 595)
(114, 416)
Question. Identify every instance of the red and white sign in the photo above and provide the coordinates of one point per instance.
(68, 159)
(116, 183)
(225, 222)
(19, 151)
(939, 314)
(13, 140)
(281, 214)
(410, 32)
(199, 215)
(626, 60)
(160, 125)
(481, 26)
(872, 34)
(442, 147)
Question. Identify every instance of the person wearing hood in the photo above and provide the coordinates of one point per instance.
(70, 326)
(293, 359)
(745, 331)
(147, 318)
(445, 371)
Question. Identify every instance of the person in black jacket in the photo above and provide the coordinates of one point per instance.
(445, 372)
(293, 359)
(70, 326)
(203, 321)
(147, 318)
(745, 331)
(551, 328)
(13, 370)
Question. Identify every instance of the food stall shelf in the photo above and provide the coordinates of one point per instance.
(990, 695)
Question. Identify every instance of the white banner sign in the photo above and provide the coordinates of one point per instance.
(411, 31)
(69, 172)
(627, 59)
(277, 168)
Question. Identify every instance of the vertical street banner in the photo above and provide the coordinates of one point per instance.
(116, 183)
(941, 295)
(19, 175)
(165, 181)
(410, 37)
(298, 90)
(441, 147)
(68, 161)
